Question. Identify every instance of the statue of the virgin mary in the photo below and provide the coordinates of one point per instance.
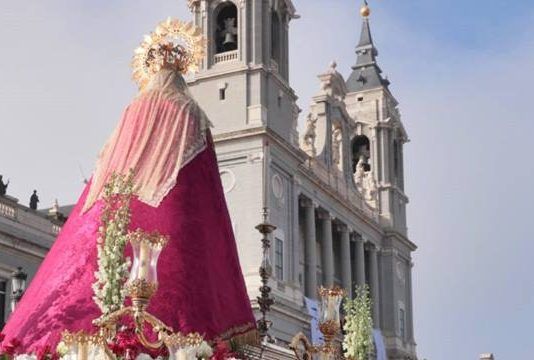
(164, 140)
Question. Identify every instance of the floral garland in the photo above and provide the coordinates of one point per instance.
(358, 326)
(112, 264)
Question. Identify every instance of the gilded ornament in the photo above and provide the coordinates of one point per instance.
(365, 11)
(335, 291)
(180, 340)
(173, 44)
(140, 288)
(154, 239)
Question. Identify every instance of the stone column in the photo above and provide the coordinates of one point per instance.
(327, 250)
(373, 276)
(310, 251)
(346, 277)
(360, 261)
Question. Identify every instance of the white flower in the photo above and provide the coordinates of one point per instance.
(204, 351)
(25, 357)
(62, 348)
(143, 357)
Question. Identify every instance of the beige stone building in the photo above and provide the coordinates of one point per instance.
(26, 236)
(335, 191)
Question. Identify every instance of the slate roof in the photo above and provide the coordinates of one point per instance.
(366, 74)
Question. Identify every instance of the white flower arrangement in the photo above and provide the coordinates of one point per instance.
(358, 340)
(113, 266)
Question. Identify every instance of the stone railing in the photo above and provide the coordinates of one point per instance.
(337, 182)
(226, 56)
(56, 229)
(8, 211)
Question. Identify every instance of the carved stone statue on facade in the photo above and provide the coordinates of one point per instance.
(365, 181)
(337, 140)
(55, 208)
(3, 186)
(310, 135)
(359, 174)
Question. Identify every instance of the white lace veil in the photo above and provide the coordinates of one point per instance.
(160, 132)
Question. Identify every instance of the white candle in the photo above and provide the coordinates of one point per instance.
(144, 260)
(331, 309)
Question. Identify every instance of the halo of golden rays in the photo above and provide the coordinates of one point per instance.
(171, 31)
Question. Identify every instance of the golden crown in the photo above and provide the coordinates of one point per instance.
(173, 44)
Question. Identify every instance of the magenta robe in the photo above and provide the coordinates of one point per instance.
(201, 286)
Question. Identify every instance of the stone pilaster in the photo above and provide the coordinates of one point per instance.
(327, 249)
(409, 315)
(360, 261)
(373, 276)
(310, 251)
(346, 277)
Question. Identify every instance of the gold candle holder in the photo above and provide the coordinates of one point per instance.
(329, 325)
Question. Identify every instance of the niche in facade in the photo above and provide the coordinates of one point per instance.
(361, 151)
(226, 33)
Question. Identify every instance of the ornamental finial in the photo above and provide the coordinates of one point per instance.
(365, 11)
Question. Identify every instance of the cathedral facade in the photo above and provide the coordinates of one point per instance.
(335, 191)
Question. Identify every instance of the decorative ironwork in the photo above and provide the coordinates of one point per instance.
(265, 301)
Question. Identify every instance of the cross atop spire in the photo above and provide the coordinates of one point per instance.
(366, 73)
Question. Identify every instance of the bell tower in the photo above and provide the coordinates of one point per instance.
(243, 78)
(377, 148)
(380, 134)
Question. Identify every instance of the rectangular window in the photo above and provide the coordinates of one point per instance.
(279, 259)
(3, 299)
(222, 94)
(402, 323)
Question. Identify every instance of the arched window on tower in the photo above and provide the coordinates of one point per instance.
(275, 37)
(226, 34)
(361, 151)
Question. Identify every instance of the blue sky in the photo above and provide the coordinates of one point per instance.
(461, 70)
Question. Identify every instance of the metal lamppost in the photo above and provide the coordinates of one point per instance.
(18, 286)
(265, 301)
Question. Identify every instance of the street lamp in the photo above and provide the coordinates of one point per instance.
(265, 301)
(18, 285)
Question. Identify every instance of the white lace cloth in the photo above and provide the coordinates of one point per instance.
(160, 132)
